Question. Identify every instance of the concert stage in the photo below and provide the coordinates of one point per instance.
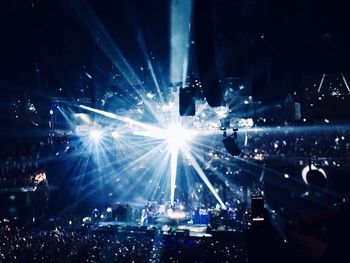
(181, 229)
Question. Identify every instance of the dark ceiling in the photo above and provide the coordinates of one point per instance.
(46, 51)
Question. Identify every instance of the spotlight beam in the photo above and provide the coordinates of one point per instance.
(199, 156)
(321, 83)
(149, 64)
(203, 176)
(180, 19)
(127, 120)
(103, 40)
(346, 83)
(176, 137)
(173, 172)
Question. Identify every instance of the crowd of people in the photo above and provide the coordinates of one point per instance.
(321, 142)
(316, 237)
(20, 163)
(61, 243)
(39, 243)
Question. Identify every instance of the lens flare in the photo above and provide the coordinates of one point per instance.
(177, 136)
(170, 139)
(95, 135)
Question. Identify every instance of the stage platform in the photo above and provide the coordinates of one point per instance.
(193, 230)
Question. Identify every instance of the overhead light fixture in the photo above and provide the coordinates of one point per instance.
(230, 143)
(187, 102)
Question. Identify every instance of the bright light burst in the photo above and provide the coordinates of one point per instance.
(115, 134)
(177, 137)
(95, 135)
(148, 147)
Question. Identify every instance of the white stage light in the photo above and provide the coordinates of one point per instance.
(177, 136)
(115, 134)
(313, 167)
(95, 135)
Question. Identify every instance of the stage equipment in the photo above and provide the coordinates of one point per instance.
(230, 143)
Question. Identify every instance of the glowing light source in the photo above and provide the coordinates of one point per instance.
(180, 19)
(177, 136)
(204, 178)
(150, 95)
(115, 134)
(95, 135)
(307, 169)
(177, 215)
(222, 111)
(246, 123)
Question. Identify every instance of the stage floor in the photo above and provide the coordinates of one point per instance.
(195, 230)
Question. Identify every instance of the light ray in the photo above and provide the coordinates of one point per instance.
(104, 41)
(127, 120)
(99, 34)
(150, 66)
(173, 168)
(181, 12)
(203, 176)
